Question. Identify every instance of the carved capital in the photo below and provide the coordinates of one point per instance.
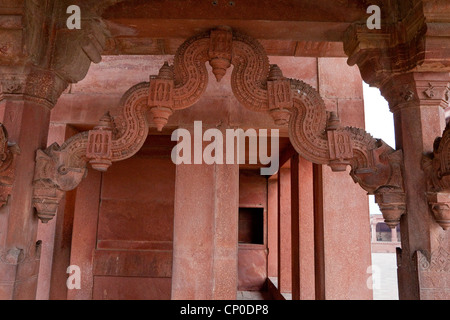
(38, 85)
(414, 89)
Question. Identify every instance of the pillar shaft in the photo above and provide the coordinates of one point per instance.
(84, 234)
(417, 101)
(205, 243)
(302, 229)
(56, 235)
(284, 231)
(272, 226)
(342, 233)
(27, 124)
(27, 97)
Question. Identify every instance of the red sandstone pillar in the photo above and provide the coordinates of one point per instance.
(343, 243)
(417, 101)
(284, 230)
(302, 224)
(342, 207)
(205, 241)
(84, 234)
(26, 98)
(27, 124)
(272, 227)
(56, 235)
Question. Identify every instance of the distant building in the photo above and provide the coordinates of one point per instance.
(384, 239)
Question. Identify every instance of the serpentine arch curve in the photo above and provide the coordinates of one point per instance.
(259, 86)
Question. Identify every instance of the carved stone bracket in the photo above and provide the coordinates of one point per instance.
(62, 168)
(397, 47)
(42, 56)
(410, 40)
(56, 172)
(15, 255)
(437, 168)
(316, 135)
(8, 153)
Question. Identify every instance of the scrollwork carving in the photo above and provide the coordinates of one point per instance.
(315, 134)
(249, 76)
(378, 169)
(62, 168)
